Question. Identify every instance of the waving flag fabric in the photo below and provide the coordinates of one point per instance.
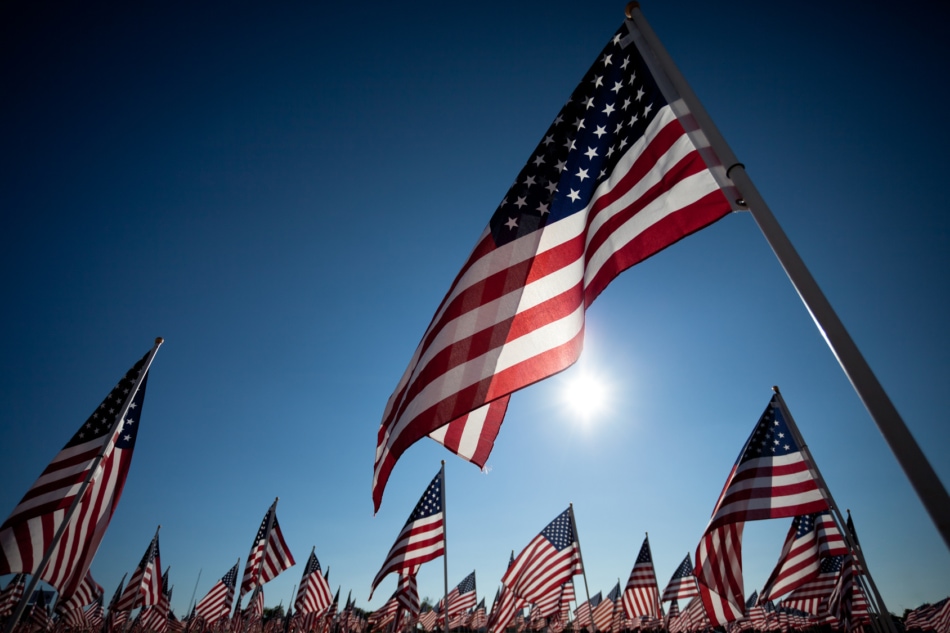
(641, 596)
(101, 449)
(547, 562)
(615, 179)
(219, 600)
(813, 596)
(145, 585)
(269, 554)
(313, 596)
(811, 537)
(682, 585)
(422, 538)
(460, 598)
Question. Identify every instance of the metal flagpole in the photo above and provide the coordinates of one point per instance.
(836, 513)
(918, 470)
(194, 592)
(577, 538)
(445, 551)
(57, 537)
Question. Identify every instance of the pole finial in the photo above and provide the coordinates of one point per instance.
(159, 340)
(628, 10)
(775, 388)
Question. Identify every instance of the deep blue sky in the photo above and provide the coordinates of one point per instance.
(285, 193)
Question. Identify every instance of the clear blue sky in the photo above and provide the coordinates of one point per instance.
(285, 193)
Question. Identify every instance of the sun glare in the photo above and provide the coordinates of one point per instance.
(585, 396)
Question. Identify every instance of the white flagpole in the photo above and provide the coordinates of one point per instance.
(445, 554)
(911, 458)
(590, 610)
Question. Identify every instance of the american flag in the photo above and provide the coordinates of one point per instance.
(584, 611)
(811, 596)
(615, 180)
(683, 583)
(145, 585)
(549, 560)
(314, 593)
(113, 614)
(11, 594)
(422, 537)
(219, 600)
(89, 591)
(603, 614)
(479, 616)
(407, 592)
(99, 452)
(641, 596)
(719, 573)
(841, 598)
(155, 617)
(771, 478)
(811, 537)
(269, 554)
(567, 597)
(504, 610)
(255, 606)
(460, 598)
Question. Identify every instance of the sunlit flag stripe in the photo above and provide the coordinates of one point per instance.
(218, 601)
(801, 553)
(658, 191)
(472, 436)
(719, 572)
(314, 594)
(545, 569)
(641, 596)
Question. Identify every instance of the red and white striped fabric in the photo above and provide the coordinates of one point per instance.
(11, 594)
(547, 562)
(616, 179)
(407, 593)
(641, 596)
(461, 598)
(810, 538)
(269, 555)
(101, 451)
(812, 597)
(145, 585)
(219, 600)
(314, 595)
(682, 585)
(603, 614)
(719, 573)
(504, 610)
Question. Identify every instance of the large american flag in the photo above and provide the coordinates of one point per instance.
(547, 562)
(682, 585)
(100, 452)
(641, 596)
(217, 603)
(811, 537)
(615, 180)
(269, 554)
(145, 585)
(422, 538)
(770, 479)
(314, 595)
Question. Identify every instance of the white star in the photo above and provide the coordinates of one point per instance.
(616, 39)
(128, 437)
(529, 181)
(512, 223)
(609, 109)
(579, 124)
(599, 81)
(582, 174)
(561, 165)
(646, 110)
(640, 94)
(600, 131)
(626, 62)
(590, 153)
(589, 103)
(133, 405)
(520, 202)
(543, 208)
(607, 60)
(552, 186)
(539, 160)
(558, 120)
(548, 139)
(574, 195)
(617, 86)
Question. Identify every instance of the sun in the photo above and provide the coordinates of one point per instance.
(585, 395)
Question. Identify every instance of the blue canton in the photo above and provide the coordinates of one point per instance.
(560, 531)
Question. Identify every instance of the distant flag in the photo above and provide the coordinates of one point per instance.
(603, 614)
(841, 598)
(810, 538)
(219, 600)
(11, 594)
(672, 614)
(547, 562)
(111, 621)
(269, 555)
(407, 592)
(641, 596)
(155, 617)
(505, 606)
(313, 596)
(460, 598)
(88, 592)
(255, 606)
(682, 585)
(567, 597)
(93, 463)
(616, 179)
(39, 616)
(145, 585)
(422, 538)
(810, 596)
(771, 479)
(584, 611)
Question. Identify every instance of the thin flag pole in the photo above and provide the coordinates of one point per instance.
(194, 592)
(445, 550)
(35, 576)
(836, 512)
(911, 458)
(590, 611)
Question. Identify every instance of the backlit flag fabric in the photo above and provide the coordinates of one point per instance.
(11, 594)
(421, 539)
(641, 596)
(110, 433)
(269, 554)
(682, 585)
(460, 598)
(719, 573)
(145, 585)
(549, 560)
(219, 600)
(811, 537)
(771, 478)
(407, 592)
(616, 179)
(811, 596)
(314, 594)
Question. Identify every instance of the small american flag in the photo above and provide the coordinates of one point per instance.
(11, 594)
(100, 452)
(269, 555)
(841, 598)
(810, 596)
(642, 594)
(460, 598)
(547, 562)
(407, 593)
(811, 537)
(615, 179)
(683, 583)
(145, 585)
(422, 538)
(603, 614)
(314, 593)
(219, 600)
